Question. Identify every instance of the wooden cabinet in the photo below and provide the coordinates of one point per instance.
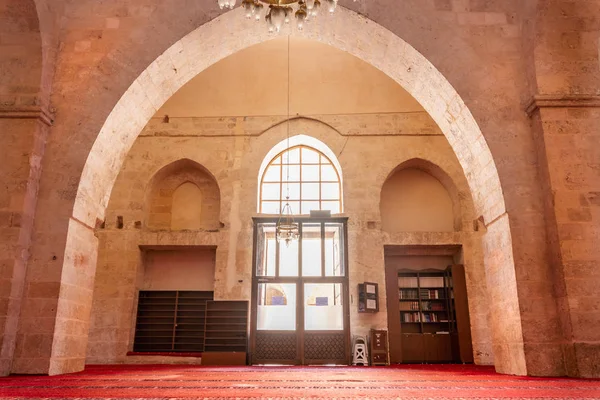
(413, 349)
(437, 348)
(378, 342)
(368, 297)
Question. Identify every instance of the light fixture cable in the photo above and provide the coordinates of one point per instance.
(288, 120)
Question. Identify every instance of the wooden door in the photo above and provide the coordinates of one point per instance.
(393, 311)
(461, 310)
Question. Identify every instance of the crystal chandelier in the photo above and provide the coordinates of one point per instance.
(282, 11)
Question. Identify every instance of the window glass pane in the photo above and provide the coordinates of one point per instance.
(294, 191)
(323, 308)
(310, 173)
(273, 174)
(266, 250)
(333, 206)
(328, 173)
(311, 250)
(293, 156)
(330, 191)
(334, 265)
(294, 173)
(288, 258)
(270, 207)
(314, 186)
(310, 191)
(271, 191)
(309, 156)
(295, 207)
(307, 206)
(276, 307)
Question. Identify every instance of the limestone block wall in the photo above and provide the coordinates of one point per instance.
(234, 157)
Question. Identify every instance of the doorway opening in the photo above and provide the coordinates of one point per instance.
(428, 311)
(300, 310)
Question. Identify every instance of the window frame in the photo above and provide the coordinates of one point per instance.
(324, 160)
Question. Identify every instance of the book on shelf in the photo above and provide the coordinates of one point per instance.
(431, 294)
(408, 294)
(408, 282)
(410, 317)
(409, 306)
(433, 306)
(432, 281)
(430, 317)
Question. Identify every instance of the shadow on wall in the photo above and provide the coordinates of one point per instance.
(183, 196)
(418, 196)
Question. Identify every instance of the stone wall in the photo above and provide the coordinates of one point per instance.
(496, 54)
(234, 158)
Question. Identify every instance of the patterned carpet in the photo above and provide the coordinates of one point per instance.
(396, 382)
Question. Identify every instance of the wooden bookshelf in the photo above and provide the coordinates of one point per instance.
(226, 326)
(226, 335)
(171, 321)
(427, 312)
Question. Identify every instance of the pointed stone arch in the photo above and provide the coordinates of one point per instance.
(362, 38)
(442, 177)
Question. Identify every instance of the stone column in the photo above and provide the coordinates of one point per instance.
(565, 114)
(567, 132)
(23, 132)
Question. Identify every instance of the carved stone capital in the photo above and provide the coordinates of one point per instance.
(560, 101)
(27, 112)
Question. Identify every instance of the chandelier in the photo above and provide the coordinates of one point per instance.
(287, 229)
(281, 11)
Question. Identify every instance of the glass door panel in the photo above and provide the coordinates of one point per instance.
(311, 250)
(323, 307)
(266, 250)
(334, 250)
(288, 258)
(300, 303)
(276, 307)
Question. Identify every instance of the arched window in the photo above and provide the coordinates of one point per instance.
(308, 176)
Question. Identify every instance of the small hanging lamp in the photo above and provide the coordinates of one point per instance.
(287, 229)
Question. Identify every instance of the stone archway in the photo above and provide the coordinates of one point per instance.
(230, 33)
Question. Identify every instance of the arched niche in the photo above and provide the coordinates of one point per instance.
(418, 196)
(186, 207)
(183, 196)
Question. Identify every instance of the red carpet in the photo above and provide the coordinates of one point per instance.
(397, 382)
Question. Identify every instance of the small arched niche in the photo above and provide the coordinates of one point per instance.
(418, 196)
(183, 196)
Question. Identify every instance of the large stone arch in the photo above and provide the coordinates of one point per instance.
(230, 33)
